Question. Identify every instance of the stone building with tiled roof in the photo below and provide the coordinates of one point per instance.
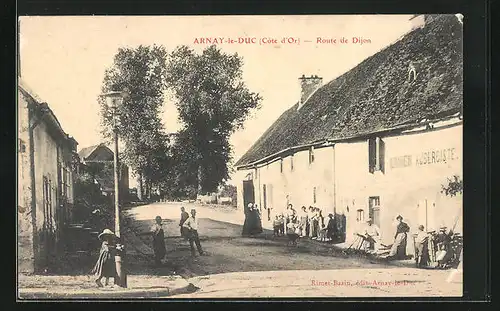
(46, 168)
(377, 141)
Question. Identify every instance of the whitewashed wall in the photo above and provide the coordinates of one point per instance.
(344, 184)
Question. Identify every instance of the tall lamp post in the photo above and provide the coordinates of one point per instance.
(113, 100)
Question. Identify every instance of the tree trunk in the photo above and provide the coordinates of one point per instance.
(200, 188)
(139, 187)
(147, 189)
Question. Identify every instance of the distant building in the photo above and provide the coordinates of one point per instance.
(375, 142)
(46, 158)
(98, 161)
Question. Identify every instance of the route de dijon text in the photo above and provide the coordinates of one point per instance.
(283, 40)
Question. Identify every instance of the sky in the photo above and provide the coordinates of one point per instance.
(63, 58)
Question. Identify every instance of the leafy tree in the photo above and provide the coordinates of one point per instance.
(453, 186)
(213, 102)
(140, 73)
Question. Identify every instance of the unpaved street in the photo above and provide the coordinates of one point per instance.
(264, 266)
(228, 251)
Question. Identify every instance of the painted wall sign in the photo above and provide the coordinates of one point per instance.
(424, 158)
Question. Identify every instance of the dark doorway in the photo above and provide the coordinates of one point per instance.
(248, 194)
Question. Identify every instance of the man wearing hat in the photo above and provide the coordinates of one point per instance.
(191, 224)
(331, 227)
(372, 236)
(421, 247)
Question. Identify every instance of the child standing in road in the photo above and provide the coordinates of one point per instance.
(158, 240)
(276, 224)
(105, 266)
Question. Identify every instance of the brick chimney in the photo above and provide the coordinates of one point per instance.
(308, 85)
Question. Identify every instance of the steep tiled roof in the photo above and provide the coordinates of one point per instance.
(85, 152)
(377, 94)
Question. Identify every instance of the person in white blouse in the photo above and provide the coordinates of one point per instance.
(191, 224)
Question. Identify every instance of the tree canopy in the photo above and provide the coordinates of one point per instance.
(139, 72)
(213, 102)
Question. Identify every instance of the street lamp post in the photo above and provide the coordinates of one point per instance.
(113, 100)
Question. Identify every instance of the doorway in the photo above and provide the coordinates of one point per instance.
(248, 194)
(374, 210)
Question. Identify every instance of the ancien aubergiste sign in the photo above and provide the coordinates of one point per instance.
(424, 158)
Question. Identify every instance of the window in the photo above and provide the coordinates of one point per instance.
(264, 194)
(314, 195)
(47, 203)
(68, 183)
(374, 209)
(291, 162)
(376, 154)
(281, 165)
(360, 215)
(311, 155)
(63, 182)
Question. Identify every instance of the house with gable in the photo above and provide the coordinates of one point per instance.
(98, 161)
(378, 141)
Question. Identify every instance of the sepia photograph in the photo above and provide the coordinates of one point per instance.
(217, 156)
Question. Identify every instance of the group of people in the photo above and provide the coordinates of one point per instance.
(430, 247)
(433, 247)
(188, 229)
(371, 238)
(105, 266)
(253, 222)
(306, 222)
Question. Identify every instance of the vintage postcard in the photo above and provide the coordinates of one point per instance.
(240, 156)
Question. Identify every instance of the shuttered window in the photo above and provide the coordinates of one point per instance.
(376, 155)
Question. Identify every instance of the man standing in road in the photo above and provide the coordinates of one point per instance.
(184, 217)
(191, 224)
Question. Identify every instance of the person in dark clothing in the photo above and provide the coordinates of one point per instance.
(331, 227)
(443, 243)
(184, 217)
(398, 249)
(256, 223)
(158, 240)
(248, 222)
(105, 266)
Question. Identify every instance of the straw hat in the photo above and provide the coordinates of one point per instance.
(106, 232)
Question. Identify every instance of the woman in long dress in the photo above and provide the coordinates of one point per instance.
(247, 223)
(398, 249)
(158, 240)
(256, 221)
(105, 266)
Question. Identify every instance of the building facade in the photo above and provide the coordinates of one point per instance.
(379, 141)
(46, 166)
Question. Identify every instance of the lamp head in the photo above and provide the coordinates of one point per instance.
(113, 99)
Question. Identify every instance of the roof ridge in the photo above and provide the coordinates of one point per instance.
(345, 100)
